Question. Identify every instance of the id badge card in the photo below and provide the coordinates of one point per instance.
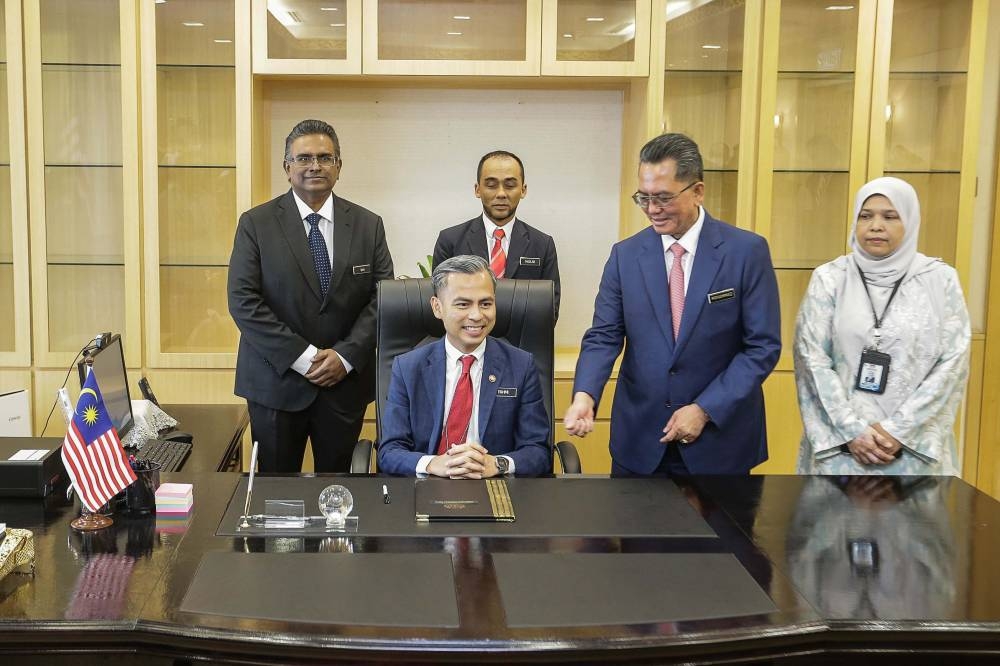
(873, 372)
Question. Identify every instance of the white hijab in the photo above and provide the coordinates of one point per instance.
(904, 260)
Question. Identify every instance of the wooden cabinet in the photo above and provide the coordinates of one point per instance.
(926, 103)
(439, 37)
(589, 38)
(709, 93)
(191, 72)
(446, 38)
(14, 327)
(82, 114)
(306, 36)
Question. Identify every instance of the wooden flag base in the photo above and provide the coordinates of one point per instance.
(89, 522)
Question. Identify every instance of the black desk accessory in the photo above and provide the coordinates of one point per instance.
(147, 392)
(475, 500)
(24, 474)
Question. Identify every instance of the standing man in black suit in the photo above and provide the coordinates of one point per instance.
(513, 249)
(302, 286)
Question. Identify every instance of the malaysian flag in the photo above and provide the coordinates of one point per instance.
(92, 452)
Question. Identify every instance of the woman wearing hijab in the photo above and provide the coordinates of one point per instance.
(881, 348)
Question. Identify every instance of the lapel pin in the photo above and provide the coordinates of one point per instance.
(492, 378)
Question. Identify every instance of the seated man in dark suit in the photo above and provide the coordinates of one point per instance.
(467, 406)
(514, 249)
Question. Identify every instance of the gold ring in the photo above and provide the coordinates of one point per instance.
(684, 440)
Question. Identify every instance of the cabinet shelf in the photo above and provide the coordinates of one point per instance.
(785, 170)
(83, 165)
(196, 166)
(84, 65)
(193, 66)
(675, 70)
(841, 73)
(80, 262)
(192, 264)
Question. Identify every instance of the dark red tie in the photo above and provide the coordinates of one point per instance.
(460, 413)
(498, 258)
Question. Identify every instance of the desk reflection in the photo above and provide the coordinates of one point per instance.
(874, 547)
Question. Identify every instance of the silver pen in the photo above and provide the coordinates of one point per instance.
(246, 505)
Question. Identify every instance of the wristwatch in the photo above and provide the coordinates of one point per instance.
(502, 465)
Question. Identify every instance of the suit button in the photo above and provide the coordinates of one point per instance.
(673, 372)
(667, 405)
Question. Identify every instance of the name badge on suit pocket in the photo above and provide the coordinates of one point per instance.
(530, 261)
(723, 295)
(507, 392)
(363, 269)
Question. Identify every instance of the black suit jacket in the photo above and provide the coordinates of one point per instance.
(532, 254)
(275, 299)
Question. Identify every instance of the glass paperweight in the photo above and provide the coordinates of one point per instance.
(336, 502)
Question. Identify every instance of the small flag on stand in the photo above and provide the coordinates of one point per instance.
(92, 453)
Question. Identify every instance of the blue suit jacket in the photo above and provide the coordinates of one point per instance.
(725, 349)
(517, 426)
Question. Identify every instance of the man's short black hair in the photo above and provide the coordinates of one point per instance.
(679, 148)
(308, 128)
(498, 153)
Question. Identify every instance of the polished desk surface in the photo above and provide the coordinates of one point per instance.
(879, 566)
(218, 433)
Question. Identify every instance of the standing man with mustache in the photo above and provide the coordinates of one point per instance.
(513, 249)
(694, 301)
(302, 289)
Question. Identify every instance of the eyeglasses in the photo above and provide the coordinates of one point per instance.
(643, 200)
(322, 160)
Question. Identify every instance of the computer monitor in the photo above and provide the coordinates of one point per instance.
(109, 368)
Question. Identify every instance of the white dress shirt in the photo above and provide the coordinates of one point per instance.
(689, 241)
(491, 226)
(452, 373)
(304, 361)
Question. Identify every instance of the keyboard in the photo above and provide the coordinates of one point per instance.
(170, 455)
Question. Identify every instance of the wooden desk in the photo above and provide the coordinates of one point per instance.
(931, 587)
(217, 430)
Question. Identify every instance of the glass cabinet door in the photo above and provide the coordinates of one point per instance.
(922, 110)
(83, 145)
(14, 327)
(595, 37)
(190, 169)
(306, 36)
(452, 37)
(703, 89)
(815, 97)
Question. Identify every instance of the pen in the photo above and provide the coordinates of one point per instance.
(246, 505)
(386, 499)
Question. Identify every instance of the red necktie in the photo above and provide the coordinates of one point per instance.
(677, 287)
(460, 413)
(498, 258)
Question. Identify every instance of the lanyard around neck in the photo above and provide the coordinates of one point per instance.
(878, 319)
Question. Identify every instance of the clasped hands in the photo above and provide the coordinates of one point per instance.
(874, 446)
(685, 425)
(327, 369)
(470, 460)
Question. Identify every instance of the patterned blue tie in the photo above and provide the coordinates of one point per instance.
(321, 258)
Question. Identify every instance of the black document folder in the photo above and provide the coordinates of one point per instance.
(485, 500)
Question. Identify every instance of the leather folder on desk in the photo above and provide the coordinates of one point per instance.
(485, 500)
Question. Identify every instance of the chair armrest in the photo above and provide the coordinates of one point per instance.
(569, 458)
(361, 460)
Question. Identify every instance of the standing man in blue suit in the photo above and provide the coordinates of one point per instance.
(468, 406)
(696, 300)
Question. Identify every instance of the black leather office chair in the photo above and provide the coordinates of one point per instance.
(524, 318)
